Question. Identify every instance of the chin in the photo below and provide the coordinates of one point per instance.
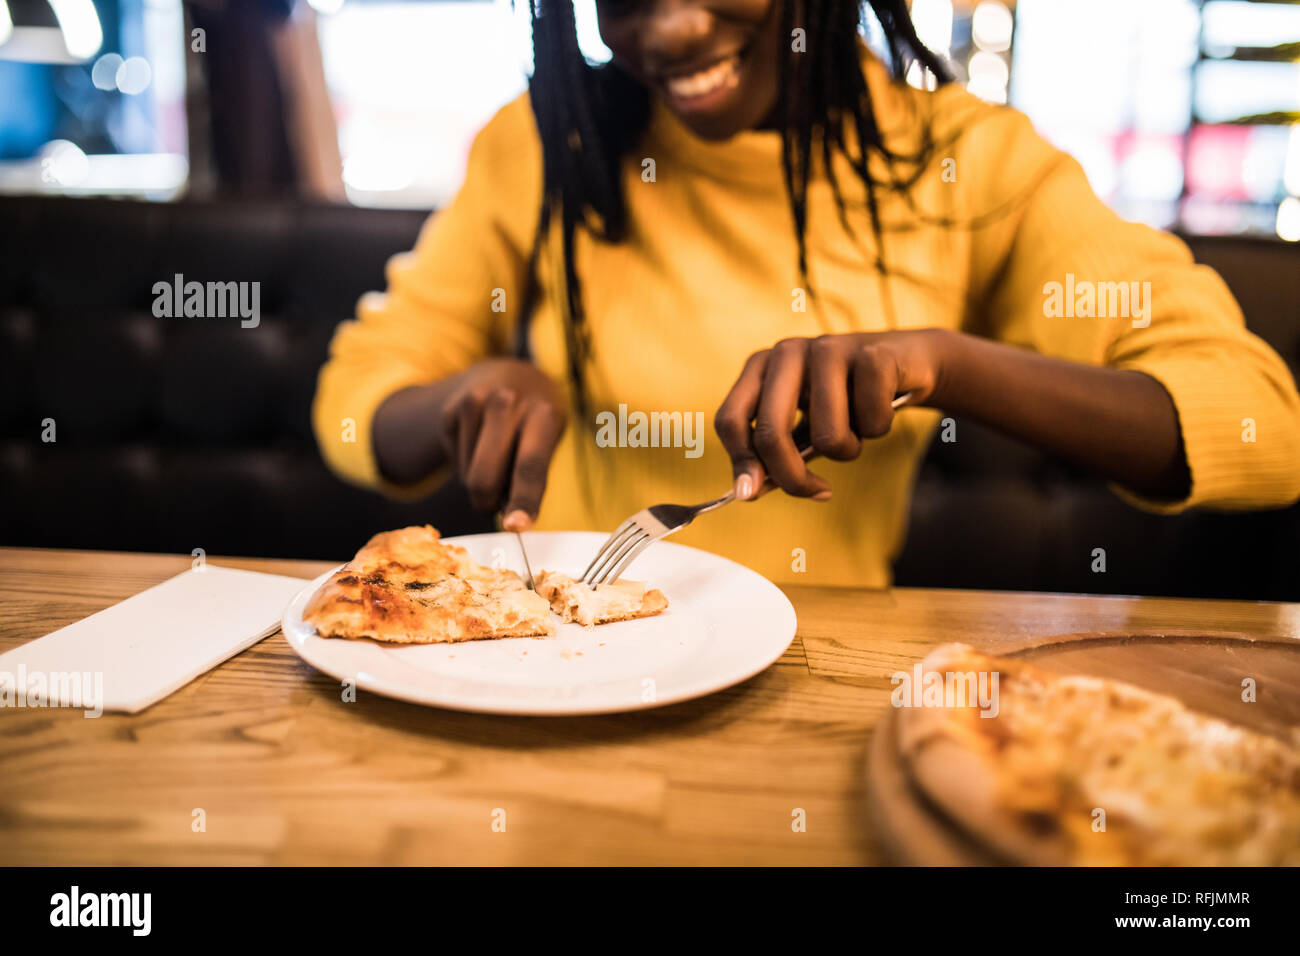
(720, 126)
(715, 130)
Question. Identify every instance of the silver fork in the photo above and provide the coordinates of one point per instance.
(657, 522)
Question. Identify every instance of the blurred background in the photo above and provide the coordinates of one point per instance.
(299, 143)
(1185, 114)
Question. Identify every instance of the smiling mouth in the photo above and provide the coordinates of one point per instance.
(705, 85)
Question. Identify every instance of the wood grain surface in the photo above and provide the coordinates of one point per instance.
(285, 772)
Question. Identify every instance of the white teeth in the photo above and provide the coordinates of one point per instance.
(705, 81)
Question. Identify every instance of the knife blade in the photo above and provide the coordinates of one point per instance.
(532, 585)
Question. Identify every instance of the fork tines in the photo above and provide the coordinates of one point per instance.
(623, 547)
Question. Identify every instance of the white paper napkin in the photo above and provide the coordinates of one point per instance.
(135, 653)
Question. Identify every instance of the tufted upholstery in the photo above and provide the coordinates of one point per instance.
(180, 435)
(175, 435)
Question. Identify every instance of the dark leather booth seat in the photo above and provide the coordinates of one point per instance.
(172, 436)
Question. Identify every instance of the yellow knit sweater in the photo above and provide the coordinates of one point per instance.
(709, 275)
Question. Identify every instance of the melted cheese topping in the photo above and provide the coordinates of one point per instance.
(588, 606)
(1175, 783)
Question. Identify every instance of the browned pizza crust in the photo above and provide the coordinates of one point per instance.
(602, 604)
(409, 587)
(1177, 787)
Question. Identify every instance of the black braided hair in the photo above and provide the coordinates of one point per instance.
(589, 118)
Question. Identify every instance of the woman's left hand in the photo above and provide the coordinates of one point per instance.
(843, 384)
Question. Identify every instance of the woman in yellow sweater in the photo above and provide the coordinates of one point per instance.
(748, 219)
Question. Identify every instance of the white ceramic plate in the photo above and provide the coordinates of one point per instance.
(724, 624)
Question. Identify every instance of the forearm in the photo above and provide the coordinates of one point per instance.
(1119, 423)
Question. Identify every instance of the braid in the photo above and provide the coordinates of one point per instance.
(589, 118)
(840, 94)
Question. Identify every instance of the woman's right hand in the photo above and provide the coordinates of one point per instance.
(497, 423)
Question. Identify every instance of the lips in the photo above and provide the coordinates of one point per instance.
(722, 75)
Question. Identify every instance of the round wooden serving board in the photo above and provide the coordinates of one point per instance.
(1204, 671)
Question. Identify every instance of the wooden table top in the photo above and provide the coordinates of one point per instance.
(286, 773)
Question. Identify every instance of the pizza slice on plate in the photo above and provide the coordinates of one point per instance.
(602, 604)
(410, 587)
(1173, 786)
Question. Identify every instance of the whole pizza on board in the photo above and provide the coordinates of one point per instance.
(1068, 769)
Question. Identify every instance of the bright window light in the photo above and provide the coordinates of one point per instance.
(82, 34)
(411, 85)
(1288, 219)
(326, 7)
(133, 76)
(1236, 23)
(991, 26)
(1227, 90)
(589, 41)
(933, 22)
(1291, 176)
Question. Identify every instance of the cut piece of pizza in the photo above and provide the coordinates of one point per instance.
(602, 604)
(1068, 769)
(410, 587)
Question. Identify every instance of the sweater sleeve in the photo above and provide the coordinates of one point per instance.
(450, 302)
(1079, 282)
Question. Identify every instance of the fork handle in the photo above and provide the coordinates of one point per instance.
(806, 453)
